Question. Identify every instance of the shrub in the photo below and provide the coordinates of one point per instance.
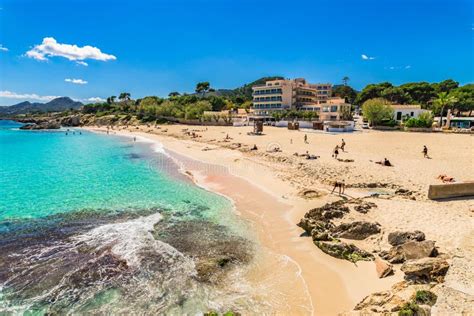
(408, 309)
(425, 297)
(424, 120)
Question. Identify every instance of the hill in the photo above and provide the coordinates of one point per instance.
(55, 105)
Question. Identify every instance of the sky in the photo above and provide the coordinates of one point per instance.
(89, 50)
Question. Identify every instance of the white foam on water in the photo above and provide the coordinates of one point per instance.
(127, 239)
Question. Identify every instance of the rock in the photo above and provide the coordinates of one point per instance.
(423, 310)
(425, 270)
(383, 268)
(320, 235)
(364, 207)
(343, 250)
(375, 299)
(356, 230)
(402, 191)
(411, 250)
(41, 125)
(398, 237)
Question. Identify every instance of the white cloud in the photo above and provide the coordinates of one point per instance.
(76, 81)
(51, 48)
(365, 57)
(3, 48)
(95, 100)
(82, 63)
(29, 96)
(407, 66)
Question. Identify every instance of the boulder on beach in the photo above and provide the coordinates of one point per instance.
(425, 270)
(411, 250)
(356, 230)
(383, 268)
(343, 250)
(398, 237)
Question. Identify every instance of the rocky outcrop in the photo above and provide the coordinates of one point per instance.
(318, 224)
(356, 230)
(364, 207)
(411, 250)
(383, 268)
(398, 237)
(343, 250)
(41, 125)
(425, 270)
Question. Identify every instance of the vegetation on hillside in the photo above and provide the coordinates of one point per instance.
(374, 99)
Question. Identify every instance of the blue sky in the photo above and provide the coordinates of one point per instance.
(154, 47)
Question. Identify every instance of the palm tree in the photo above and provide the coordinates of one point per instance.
(124, 96)
(345, 80)
(203, 87)
(444, 100)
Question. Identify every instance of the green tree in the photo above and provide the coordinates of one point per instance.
(464, 99)
(372, 91)
(111, 99)
(443, 101)
(345, 80)
(195, 110)
(445, 86)
(124, 96)
(396, 95)
(419, 92)
(345, 92)
(377, 110)
(174, 94)
(203, 87)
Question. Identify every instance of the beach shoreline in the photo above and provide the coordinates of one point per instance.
(333, 285)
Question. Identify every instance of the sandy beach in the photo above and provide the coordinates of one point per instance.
(273, 191)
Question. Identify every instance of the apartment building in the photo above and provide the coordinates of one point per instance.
(333, 109)
(286, 94)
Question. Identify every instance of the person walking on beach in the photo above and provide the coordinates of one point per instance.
(425, 151)
(134, 139)
(343, 144)
(336, 152)
(305, 139)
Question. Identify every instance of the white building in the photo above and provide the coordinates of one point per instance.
(402, 111)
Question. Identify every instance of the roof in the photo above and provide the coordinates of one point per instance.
(406, 106)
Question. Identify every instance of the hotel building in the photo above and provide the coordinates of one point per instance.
(297, 94)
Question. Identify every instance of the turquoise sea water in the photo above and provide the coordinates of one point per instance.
(93, 223)
(43, 173)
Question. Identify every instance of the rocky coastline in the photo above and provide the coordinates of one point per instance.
(423, 265)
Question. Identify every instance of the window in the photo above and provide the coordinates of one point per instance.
(412, 114)
(333, 108)
(399, 116)
(325, 108)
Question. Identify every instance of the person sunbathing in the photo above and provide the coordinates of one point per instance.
(446, 179)
(385, 162)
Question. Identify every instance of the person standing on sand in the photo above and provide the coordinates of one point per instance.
(305, 139)
(336, 152)
(343, 144)
(425, 151)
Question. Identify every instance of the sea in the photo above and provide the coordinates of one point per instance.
(103, 224)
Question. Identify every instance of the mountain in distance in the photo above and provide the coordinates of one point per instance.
(55, 105)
